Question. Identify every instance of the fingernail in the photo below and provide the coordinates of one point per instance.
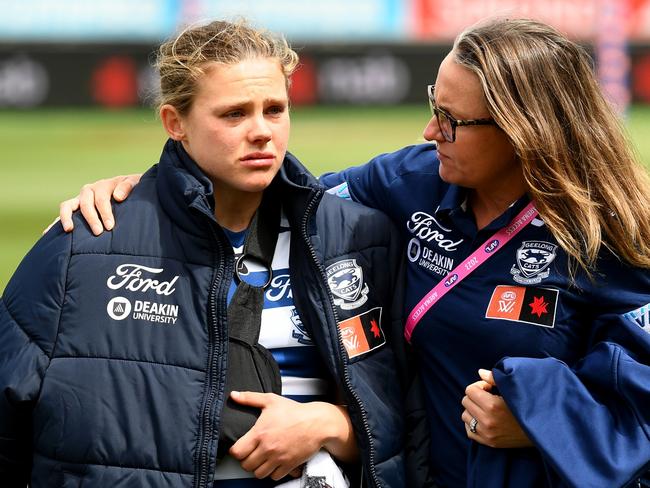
(119, 195)
(97, 229)
(109, 224)
(483, 372)
(234, 393)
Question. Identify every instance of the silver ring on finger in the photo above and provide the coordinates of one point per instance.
(472, 425)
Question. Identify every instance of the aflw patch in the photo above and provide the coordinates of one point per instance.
(362, 333)
(531, 305)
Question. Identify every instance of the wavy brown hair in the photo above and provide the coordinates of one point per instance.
(579, 166)
(183, 60)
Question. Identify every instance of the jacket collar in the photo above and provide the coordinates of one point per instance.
(182, 186)
(297, 185)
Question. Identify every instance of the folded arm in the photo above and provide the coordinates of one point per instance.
(287, 433)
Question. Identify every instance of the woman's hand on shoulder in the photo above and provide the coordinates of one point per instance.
(288, 433)
(494, 424)
(94, 200)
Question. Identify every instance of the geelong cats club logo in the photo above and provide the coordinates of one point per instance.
(345, 279)
(533, 259)
(299, 332)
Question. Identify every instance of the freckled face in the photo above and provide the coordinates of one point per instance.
(237, 128)
(481, 157)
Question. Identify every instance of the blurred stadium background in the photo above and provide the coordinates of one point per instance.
(75, 81)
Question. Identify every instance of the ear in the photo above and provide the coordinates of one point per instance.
(172, 121)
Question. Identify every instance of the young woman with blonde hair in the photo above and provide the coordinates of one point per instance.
(174, 351)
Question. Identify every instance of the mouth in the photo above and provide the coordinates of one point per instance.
(258, 158)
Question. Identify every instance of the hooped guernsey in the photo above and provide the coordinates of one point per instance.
(113, 348)
(570, 360)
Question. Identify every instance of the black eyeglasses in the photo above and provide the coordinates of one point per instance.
(447, 123)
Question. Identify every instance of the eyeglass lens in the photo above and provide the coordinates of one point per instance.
(445, 125)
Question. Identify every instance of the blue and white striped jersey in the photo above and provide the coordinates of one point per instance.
(304, 377)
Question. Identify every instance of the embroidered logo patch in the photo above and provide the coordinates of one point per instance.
(362, 333)
(345, 279)
(533, 259)
(641, 316)
(531, 305)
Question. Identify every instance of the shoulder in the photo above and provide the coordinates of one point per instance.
(344, 220)
(392, 181)
(136, 219)
(617, 286)
(349, 212)
(420, 159)
(34, 295)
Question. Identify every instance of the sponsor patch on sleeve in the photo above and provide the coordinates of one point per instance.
(640, 316)
(362, 333)
(532, 305)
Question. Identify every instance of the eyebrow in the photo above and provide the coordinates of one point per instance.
(246, 101)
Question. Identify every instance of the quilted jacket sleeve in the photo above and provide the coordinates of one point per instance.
(29, 314)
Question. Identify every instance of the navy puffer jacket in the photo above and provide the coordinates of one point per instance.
(113, 348)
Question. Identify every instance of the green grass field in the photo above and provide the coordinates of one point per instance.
(48, 154)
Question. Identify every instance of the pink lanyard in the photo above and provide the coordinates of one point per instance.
(463, 270)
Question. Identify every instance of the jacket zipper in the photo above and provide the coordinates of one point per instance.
(346, 376)
(213, 384)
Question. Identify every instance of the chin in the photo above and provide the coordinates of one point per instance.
(453, 177)
(447, 176)
(255, 182)
(256, 186)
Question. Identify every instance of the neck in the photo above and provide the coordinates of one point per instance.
(488, 204)
(235, 210)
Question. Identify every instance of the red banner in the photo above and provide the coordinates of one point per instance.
(443, 20)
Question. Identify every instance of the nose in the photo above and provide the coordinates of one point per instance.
(432, 131)
(260, 130)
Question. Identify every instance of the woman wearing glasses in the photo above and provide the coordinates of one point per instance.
(527, 231)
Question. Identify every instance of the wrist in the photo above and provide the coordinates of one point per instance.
(336, 433)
